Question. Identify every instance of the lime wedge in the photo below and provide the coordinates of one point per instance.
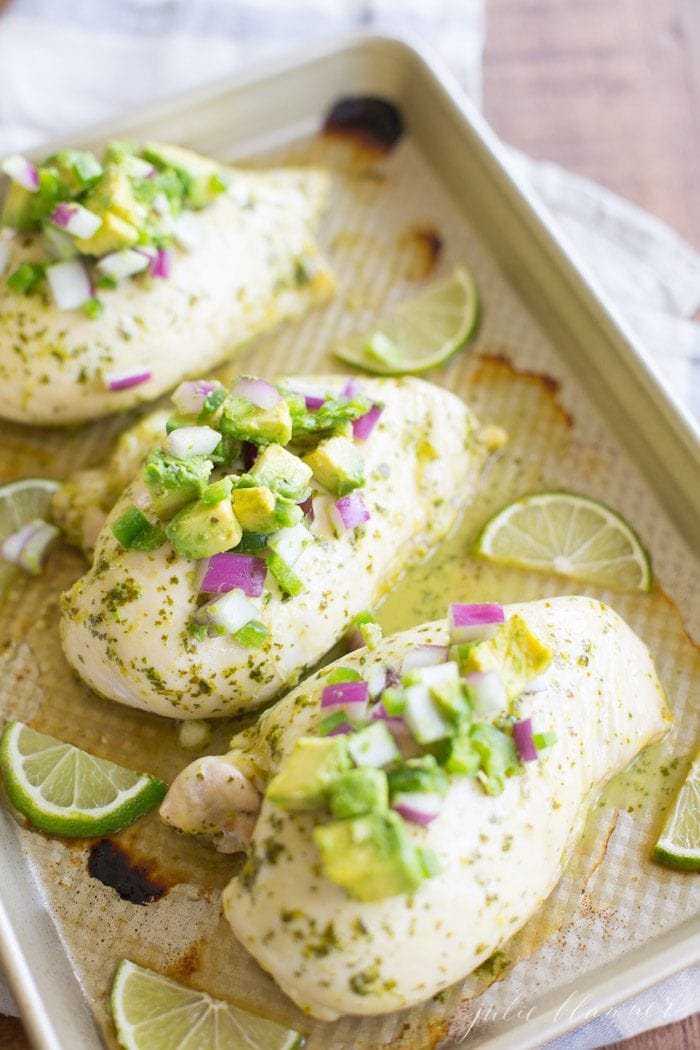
(567, 534)
(153, 1012)
(420, 333)
(66, 791)
(679, 844)
(21, 502)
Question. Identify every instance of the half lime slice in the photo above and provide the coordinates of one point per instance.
(153, 1012)
(567, 534)
(679, 843)
(420, 333)
(66, 791)
(21, 502)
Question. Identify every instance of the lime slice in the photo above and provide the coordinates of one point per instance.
(153, 1012)
(66, 791)
(21, 502)
(570, 535)
(420, 333)
(679, 844)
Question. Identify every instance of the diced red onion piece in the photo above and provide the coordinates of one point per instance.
(69, 283)
(424, 656)
(341, 729)
(75, 219)
(487, 691)
(522, 736)
(420, 807)
(187, 231)
(190, 396)
(469, 623)
(314, 396)
(126, 263)
(354, 695)
(28, 546)
(250, 454)
(192, 441)
(161, 264)
(380, 712)
(4, 256)
(352, 388)
(354, 639)
(125, 379)
(22, 171)
(363, 427)
(228, 612)
(258, 391)
(228, 571)
(536, 685)
(349, 511)
(307, 506)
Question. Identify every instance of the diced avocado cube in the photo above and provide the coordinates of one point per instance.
(283, 472)
(201, 530)
(462, 757)
(450, 699)
(514, 652)
(358, 791)
(418, 774)
(218, 490)
(371, 856)
(114, 234)
(308, 771)
(242, 419)
(114, 193)
(18, 208)
(203, 179)
(287, 514)
(373, 746)
(337, 464)
(76, 170)
(499, 757)
(255, 509)
(174, 482)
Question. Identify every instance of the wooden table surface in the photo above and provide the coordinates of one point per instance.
(612, 91)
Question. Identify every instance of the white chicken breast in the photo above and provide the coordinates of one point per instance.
(500, 856)
(125, 623)
(241, 279)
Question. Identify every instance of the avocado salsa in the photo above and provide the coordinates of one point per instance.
(114, 217)
(231, 488)
(386, 751)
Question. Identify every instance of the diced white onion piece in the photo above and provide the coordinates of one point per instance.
(58, 243)
(69, 283)
(128, 378)
(187, 230)
(126, 263)
(424, 656)
(423, 717)
(22, 171)
(373, 746)
(420, 807)
(228, 612)
(4, 256)
(435, 674)
(161, 204)
(28, 546)
(190, 396)
(194, 735)
(192, 441)
(75, 219)
(487, 692)
(290, 542)
(137, 167)
(536, 685)
(258, 391)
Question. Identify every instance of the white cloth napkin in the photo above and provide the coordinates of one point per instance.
(64, 65)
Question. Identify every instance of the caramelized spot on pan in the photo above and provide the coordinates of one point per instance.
(132, 880)
(373, 122)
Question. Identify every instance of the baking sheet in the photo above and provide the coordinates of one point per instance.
(613, 908)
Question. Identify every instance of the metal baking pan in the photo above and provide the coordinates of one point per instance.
(555, 364)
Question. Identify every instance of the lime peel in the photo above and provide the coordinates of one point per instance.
(154, 1012)
(64, 790)
(570, 535)
(679, 843)
(419, 333)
